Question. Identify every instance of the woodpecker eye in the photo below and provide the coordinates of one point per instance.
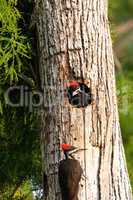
(79, 94)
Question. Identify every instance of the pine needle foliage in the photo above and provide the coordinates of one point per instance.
(14, 46)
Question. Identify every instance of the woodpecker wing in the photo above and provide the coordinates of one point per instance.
(70, 173)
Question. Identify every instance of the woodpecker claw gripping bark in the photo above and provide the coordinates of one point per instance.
(70, 173)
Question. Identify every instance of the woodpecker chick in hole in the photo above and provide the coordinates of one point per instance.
(79, 94)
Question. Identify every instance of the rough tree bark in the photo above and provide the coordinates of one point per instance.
(75, 44)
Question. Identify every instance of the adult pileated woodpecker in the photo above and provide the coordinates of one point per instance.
(70, 173)
(79, 94)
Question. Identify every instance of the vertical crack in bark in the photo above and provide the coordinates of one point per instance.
(45, 186)
(84, 132)
(111, 168)
(120, 175)
(81, 71)
(97, 141)
(81, 32)
(54, 158)
(99, 174)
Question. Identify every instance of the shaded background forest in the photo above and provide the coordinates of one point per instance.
(20, 156)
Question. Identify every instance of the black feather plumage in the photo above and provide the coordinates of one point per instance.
(70, 173)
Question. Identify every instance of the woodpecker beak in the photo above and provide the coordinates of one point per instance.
(77, 150)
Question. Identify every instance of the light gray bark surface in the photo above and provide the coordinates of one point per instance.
(75, 44)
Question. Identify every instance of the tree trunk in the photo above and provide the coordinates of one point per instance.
(75, 44)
